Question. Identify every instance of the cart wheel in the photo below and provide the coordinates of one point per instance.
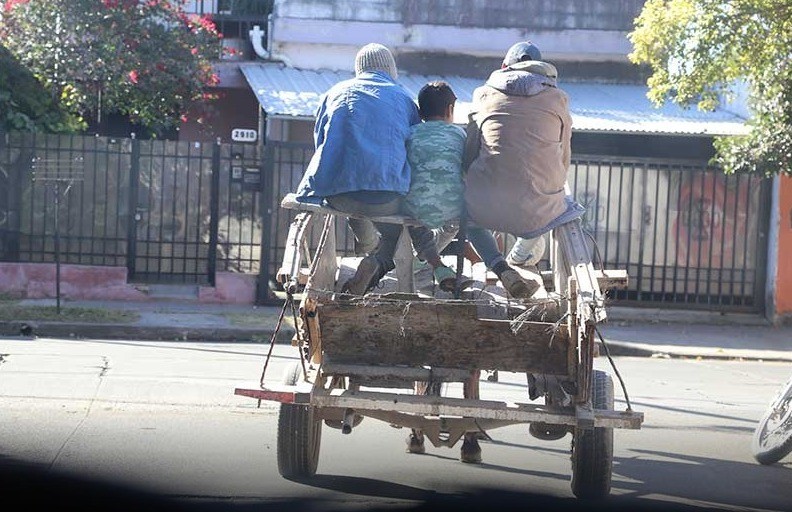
(592, 450)
(299, 435)
(772, 438)
(299, 438)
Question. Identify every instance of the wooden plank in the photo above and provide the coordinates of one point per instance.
(321, 280)
(284, 397)
(381, 382)
(396, 372)
(303, 274)
(405, 278)
(324, 265)
(290, 202)
(441, 432)
(585, 416)
(574, 251)
(299, 392)
(311, 331)
(560, 270)
(361, 401)
(435, 333)
(561, 289)
(292, 256)
(585, 374)
(608, 279)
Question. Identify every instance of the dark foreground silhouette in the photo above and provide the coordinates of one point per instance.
(29, 488)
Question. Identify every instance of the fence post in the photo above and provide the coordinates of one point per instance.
(762, 241)
(134, 182)
(264, 295)
(5, 188)
(214, 213)
(11, 189)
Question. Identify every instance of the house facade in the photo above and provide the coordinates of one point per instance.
(688, 236)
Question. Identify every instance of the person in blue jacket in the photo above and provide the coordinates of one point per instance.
(360, 164)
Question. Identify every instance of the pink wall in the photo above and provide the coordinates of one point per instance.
(230, 288)
(78, 282)
(89, 282)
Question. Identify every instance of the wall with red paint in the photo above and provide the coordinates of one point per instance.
(783, 281)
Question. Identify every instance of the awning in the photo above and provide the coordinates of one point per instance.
(286, 92)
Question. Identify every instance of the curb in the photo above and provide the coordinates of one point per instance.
(245, 335)
(142, 333)
(94, 331)
(620, 348)
(618, 314)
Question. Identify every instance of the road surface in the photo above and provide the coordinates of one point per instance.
(162, 417)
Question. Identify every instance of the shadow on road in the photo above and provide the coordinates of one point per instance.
(34, 488)
(716, 480)
(367, 487)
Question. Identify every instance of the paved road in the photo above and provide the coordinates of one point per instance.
(162, 417)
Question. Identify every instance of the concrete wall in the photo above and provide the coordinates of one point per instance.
(579, 31)
(523, 14)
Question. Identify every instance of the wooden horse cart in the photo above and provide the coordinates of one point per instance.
(362, 356)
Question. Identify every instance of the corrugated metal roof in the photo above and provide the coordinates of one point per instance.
(283, 91)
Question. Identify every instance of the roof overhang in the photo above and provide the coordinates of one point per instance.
(291, 93)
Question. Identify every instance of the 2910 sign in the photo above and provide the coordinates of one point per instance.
(243, 135)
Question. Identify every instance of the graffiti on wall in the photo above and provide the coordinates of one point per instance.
(716, 218)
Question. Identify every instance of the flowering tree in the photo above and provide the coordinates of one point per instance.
(24, 103)
(699, 49)
(146, 59)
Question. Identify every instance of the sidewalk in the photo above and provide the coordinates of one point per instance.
(693, 334)
(628, 331)
(167, 320)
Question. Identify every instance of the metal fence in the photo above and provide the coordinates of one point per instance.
(169, 211)
(687, 234)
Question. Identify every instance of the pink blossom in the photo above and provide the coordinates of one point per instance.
(10, 4)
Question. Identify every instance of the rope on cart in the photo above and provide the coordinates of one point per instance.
(616, 370)
(530, 314)
(460, 262)
(289, 298)
(289, 302)
(403, 319)
(596, 249)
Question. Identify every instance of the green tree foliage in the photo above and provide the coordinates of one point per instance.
(146, 59)
(24, 103)
(700, 51)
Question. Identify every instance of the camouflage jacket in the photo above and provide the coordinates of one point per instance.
(434, 151)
